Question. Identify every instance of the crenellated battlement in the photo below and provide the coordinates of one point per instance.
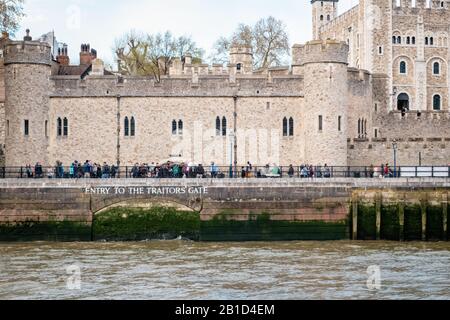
(29, 52)
(324, 51)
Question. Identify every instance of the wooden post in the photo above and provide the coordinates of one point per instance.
(401, 218)
(355, 218)
(423, 206)
(378, 212)
(445, 216)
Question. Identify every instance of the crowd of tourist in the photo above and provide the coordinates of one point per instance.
(92, 170)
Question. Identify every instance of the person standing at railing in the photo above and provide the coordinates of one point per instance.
(327, 171)
(29, 171)
(214, 170)
(291, 171)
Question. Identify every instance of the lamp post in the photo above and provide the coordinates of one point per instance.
(232, 136)
(395, 147)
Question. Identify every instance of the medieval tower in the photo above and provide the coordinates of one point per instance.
(27, 71)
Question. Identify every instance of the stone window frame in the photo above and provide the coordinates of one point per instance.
(433, 66)
(433, 96)
(400, 67)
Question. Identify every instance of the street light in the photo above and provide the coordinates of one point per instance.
(395, 147)
(232, 136)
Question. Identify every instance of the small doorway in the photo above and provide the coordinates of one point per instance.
(403, 102)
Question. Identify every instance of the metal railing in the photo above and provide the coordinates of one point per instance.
(113, 172)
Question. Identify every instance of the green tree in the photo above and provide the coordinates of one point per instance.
(268, 39)
(11, 11)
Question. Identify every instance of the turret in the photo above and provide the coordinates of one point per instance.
(27, 72)
(326, 104)
(241, 58)
(322, 13)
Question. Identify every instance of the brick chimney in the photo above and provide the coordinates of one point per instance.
(87, 55)
(63, 57)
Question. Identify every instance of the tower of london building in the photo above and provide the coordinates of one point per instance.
(375, 76)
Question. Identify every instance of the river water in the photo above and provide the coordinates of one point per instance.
(189, 270)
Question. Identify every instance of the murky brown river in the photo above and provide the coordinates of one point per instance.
(188, 270)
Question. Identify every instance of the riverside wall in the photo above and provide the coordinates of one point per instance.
(225, 210)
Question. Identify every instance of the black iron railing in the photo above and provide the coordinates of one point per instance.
(113, 172)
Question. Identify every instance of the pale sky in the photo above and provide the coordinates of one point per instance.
(99, 22)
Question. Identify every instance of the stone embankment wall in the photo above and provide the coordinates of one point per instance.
(226, 210)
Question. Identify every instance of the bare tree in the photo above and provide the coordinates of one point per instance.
(142, 54)
(11, 11)
(268, 39)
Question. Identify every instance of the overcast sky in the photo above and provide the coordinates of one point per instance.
(99, 22)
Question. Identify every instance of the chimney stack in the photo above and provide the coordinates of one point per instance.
(63, 57)
(87, 55)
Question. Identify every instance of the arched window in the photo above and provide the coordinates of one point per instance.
(59, 127)
(399, 40)
(436, 102)
(126, 126)
(285, 127)
(224, 126)
(239, 66)
(431, 41)
(321, 17)
(426, 41)
(132, 127)
(174, 127)
(436, 68)
(217, 126)
(408, 40)
(66, 127)
(291, 127)
(413, 40)
(402, 67)
(394, 39)
(180, 127)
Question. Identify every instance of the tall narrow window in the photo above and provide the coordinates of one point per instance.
(217, 126)
(339, 123)
(7, 127)
(376, 133)
(26, 127)
(402, 67)
(408, 40)
(399, 40)
(291, 127)
(224, 126)
(437, 102)
(413, 40)
(436, 68)
(394, 39)
(426, 41)
(127, 127)
(365, 128)
(174, 127)
(59, 127)
(132, 127)
(180, 127)
(66, 127)
(320, 123)
(321, 18)
(285, 127)
(46, 128)
(431, 41)
(359, 128)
